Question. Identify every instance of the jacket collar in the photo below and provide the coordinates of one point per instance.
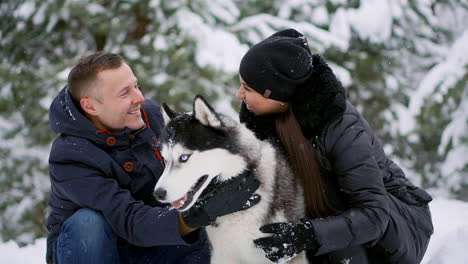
(320, 100)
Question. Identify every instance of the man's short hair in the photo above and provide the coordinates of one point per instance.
(83, 75)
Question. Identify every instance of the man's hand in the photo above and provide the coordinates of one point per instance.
(228, 197)
(184, 229)
(288, 240)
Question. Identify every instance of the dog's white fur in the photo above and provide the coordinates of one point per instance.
(233, 235)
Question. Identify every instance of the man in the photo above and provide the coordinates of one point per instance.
(103, 169)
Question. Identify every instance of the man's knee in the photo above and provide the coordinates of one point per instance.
(87, 224)
(86, 237)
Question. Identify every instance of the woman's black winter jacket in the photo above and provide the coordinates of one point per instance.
(379, 207)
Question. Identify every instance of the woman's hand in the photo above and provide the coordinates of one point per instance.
(288, 239)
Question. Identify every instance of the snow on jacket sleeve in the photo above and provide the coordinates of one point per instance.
(350, 149)
(83, 181)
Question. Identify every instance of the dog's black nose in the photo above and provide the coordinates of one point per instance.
(160, 194)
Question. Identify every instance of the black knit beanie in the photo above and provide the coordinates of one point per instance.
(277, 65)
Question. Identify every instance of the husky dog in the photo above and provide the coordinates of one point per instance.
(203, 147)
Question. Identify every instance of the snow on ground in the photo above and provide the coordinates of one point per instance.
(450, 239)
(12, 254)
(447, 246)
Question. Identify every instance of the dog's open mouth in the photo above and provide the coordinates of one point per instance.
(187, 199)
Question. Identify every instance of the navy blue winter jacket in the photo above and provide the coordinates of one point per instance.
(113, 173)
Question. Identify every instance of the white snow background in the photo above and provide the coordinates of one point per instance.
(448, 244)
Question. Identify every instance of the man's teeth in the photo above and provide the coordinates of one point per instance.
(134, 112)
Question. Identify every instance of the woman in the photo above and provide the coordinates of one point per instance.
(360, 206)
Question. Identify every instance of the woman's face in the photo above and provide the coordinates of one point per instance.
(257, 103)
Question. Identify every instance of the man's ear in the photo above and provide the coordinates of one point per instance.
(88, 106)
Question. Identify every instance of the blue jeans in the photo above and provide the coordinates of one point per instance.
(86, 237)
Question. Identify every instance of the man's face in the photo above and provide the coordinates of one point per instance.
(119, 100)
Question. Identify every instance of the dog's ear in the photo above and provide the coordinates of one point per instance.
(167, 113)
(204, 113)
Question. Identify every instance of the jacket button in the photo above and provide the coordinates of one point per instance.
(128, 166)
(110, 141)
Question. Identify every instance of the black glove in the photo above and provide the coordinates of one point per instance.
(412, 195)
(231, 196)
(288, 240)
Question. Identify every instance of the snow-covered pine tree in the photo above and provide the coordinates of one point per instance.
(429, 37)
(395, 57)
(167, 43)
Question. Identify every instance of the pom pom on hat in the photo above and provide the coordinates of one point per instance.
(277, 65)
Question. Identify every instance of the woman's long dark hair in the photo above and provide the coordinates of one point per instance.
(304, 161)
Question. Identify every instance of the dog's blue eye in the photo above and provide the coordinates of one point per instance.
(184, 157)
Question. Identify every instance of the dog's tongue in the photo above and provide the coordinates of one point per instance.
(179, 203)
